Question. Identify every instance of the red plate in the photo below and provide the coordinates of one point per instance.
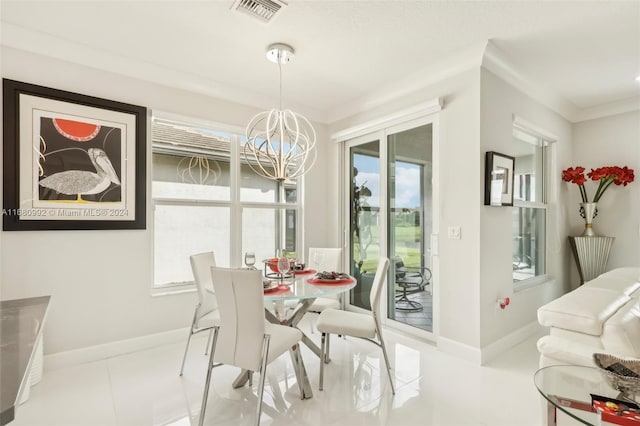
(272, 286)
(279, 288)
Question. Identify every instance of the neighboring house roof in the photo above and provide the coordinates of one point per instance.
(176, 139)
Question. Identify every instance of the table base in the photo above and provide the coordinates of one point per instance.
(298, 366)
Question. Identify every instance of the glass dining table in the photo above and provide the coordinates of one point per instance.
(304, 288)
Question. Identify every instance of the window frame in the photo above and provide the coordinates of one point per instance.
(546, 141)
(234, 204)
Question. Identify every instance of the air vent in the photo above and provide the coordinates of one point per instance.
(264, 10)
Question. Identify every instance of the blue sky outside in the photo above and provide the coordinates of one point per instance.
(407, 181)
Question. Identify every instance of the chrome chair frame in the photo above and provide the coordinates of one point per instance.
(381, 273)
(241, 325)
(198, 280)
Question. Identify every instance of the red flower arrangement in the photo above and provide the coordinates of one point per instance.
(605, 175)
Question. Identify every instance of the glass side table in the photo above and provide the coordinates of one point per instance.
(569, 388)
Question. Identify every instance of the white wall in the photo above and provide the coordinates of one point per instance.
(100, 280)
(475, 271)
(499, 102)
(477, 116)
(609, 141)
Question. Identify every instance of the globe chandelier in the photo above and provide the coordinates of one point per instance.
(280, 143)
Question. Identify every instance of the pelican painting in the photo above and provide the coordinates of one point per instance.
(82, 182)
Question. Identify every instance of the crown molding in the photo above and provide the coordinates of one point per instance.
(452, 65)
(496, 61)
(606, 110)
(484, 54)
(20, 38)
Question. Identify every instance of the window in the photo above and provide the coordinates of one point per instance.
(530, 204)
(207, 198)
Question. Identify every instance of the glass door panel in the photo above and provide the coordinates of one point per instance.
(409, 165)
(364, 241)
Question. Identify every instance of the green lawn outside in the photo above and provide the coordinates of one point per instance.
(407, 247)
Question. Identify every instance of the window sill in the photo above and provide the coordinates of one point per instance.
(531, 283)
(171, 290)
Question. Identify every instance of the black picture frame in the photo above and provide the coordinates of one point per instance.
(71, 161)
(498, 179)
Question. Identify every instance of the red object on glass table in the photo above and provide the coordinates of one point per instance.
(273, 263)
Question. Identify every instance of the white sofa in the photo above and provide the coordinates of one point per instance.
(602, 315)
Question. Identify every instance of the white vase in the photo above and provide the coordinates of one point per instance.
(588, 211)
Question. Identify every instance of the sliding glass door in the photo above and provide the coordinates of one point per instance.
(364, 244)
(390, 203)
(409, 226)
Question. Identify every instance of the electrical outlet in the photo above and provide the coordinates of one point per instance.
(454, 233)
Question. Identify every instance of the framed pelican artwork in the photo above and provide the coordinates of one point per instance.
(71, 161)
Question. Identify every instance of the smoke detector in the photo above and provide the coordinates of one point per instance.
(263, 10)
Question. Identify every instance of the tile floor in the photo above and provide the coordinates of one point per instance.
(143, 388)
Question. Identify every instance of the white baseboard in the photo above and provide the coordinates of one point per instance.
(489, 352)
(460, 350)
(496, 348)
(121, 347)
(111, 349)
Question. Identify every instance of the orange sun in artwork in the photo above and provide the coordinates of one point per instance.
(76, 130)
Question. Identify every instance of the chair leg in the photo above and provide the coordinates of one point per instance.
(403, 303)
(301, 372)
(263, 373)
(193, 324)
(386, 361)
(325, 357)
(206, 349)
(323, 348)
(208, 381)
(310, 324)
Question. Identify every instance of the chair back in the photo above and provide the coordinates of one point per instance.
(332, 258)
(201, 264)
(241, 304)
(376, 288)
(400, 271)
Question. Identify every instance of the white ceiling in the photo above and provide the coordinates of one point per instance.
(347, 52)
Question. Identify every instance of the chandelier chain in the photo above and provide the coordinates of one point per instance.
(280, 74)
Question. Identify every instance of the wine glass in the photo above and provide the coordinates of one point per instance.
(250, 259)
(318, 259)
(283, 266)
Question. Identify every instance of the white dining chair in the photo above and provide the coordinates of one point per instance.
(206, 314)
(365, 326)
(330, 262)
(243, 338)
